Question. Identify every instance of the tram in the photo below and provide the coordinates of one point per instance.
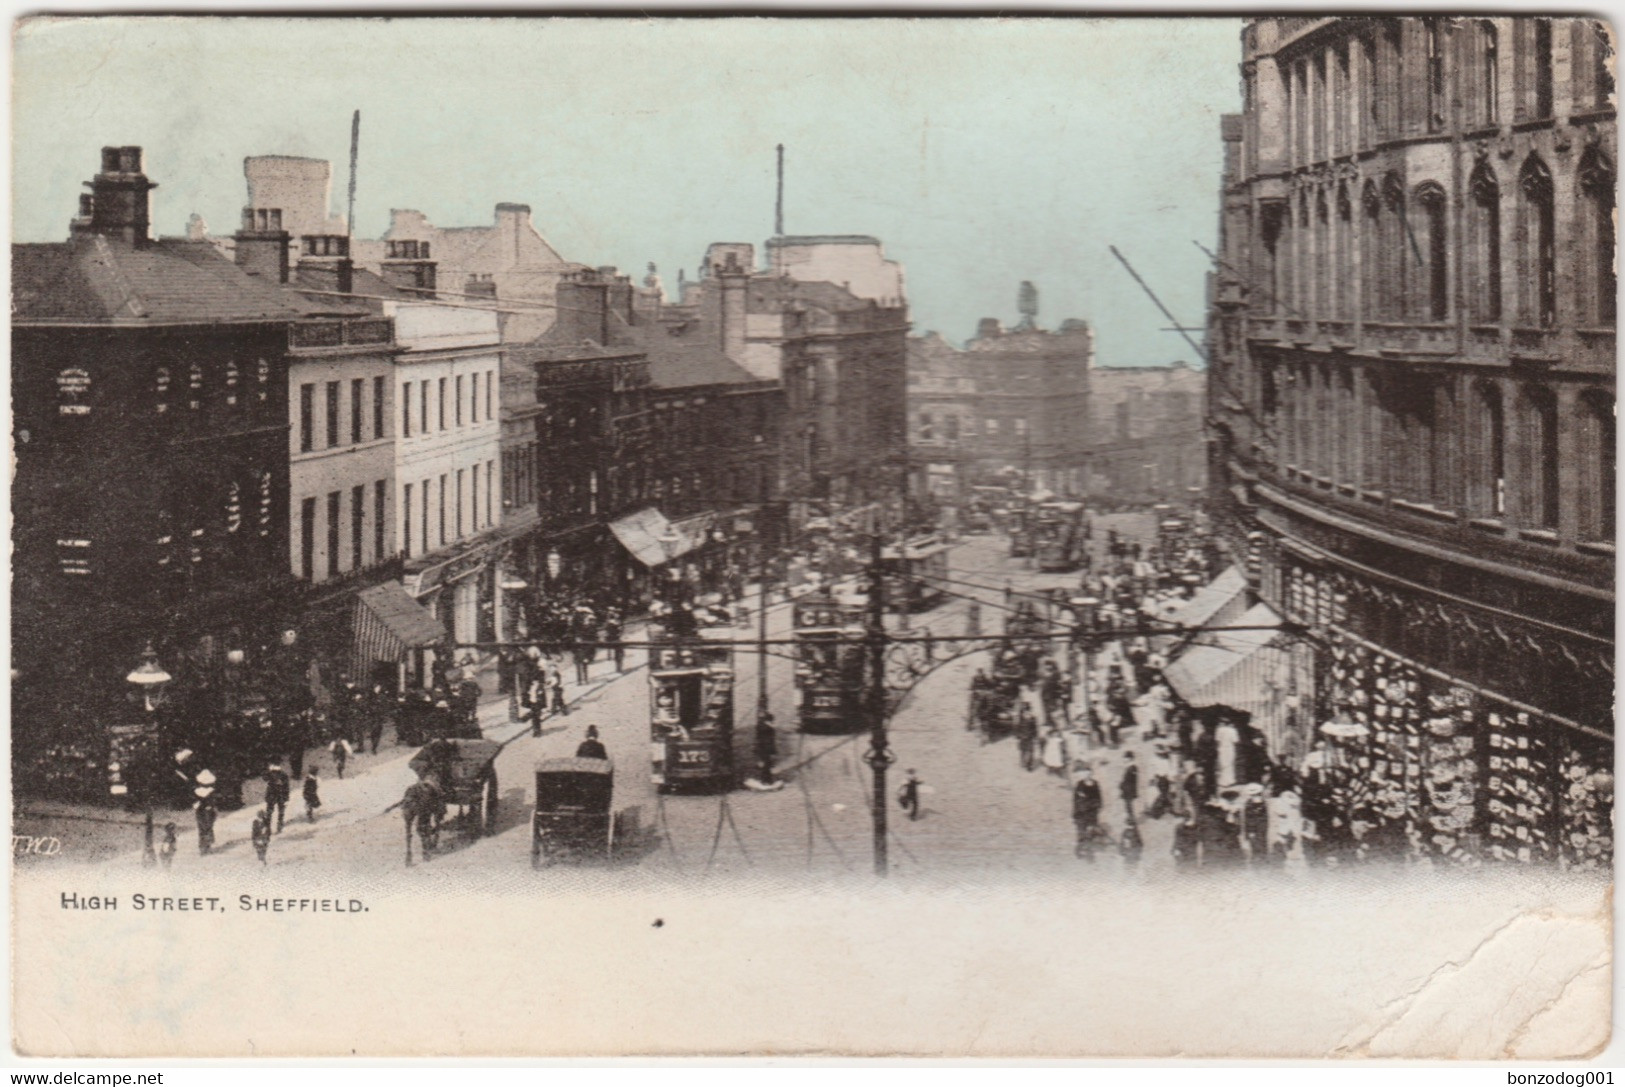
(916, 574)
(691, 714)
(829, 663)
(1058, 536)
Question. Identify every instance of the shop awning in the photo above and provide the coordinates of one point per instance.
(1235, 668)
(388, 622)
(641, 533)
(1215, 603)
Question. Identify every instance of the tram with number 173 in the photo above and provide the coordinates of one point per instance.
(691, 718)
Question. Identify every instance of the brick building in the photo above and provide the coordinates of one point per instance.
(1412, 405)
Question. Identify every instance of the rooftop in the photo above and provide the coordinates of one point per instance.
(94, 279)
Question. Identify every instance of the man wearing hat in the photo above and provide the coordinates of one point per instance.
(278, 791)
(591, 747)
(207, 811)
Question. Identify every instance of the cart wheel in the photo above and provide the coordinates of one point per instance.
(488, 805)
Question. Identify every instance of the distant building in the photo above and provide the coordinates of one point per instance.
(838, 348)
(1412, 394)
(1029, 407)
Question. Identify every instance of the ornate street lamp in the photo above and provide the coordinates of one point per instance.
(149, 679)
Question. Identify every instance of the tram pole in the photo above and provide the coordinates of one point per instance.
(761, 631)
(879, 755)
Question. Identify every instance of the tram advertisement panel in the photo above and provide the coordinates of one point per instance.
(691, 715)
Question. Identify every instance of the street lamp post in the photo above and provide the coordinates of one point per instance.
(147, 681)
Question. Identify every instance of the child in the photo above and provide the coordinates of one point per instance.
(340, 750)
(261, 835)
(313, 796)
(166, 848)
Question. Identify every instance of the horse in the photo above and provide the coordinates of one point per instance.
(424, 805)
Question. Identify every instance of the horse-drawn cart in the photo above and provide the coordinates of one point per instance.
(460, 772)
(573, 818)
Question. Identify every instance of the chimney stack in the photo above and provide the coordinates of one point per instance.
(325, 264)
(262, 244)
(121, 205)
(406, 265)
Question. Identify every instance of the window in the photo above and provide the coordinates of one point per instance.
(1434, 280)
(332, 414)
(1543, 68)
(474, 494)
(990, 427)
(1489, 72)
(406, 519)
(423, 407)
(950, 427)
(1435, 59)
(490, 388)
(1538, 258)
(1540, 450)
(425, 493)
(1021, 428)
(1596, 441)
(474, 399)
(1373, 86)
(333, 500)
(358, 525)
(1593, 82)
(457, 407)
(307, 539)
(357, 392)
(1596, 266)
(1493, 499)
(378, 407)
(926, 432)
(490, 489)
(1396, 249)
(406, 410)
(442, 402)
(442, 508)
(307, 418)
(1484, 242)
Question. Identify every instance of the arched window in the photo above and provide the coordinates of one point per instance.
(1596, 460)
(1484, 244)
(1435, 74)
(1489, 72)
(1596, 217)
(1491, 478)
(1370, 253)
(1540, 467)
(1303, 261)
(1396, 259)
(1323, 253)
(1430, 245)
(1272, 224)
(1538, 245)
(1343, 289)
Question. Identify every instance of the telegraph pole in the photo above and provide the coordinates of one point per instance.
(879, 755)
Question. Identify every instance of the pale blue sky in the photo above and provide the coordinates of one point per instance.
(982, 152)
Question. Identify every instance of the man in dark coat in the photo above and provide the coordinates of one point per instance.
(767, 747)
(591, 747)
(1086, 805)
(1130, 785)
(278, 791)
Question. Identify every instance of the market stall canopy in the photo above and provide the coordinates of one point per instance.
(1239, 668)
(1217, 602)
(388, 622)
(641, 534)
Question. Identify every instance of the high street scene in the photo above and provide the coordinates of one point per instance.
(602, 474)
(387, 524)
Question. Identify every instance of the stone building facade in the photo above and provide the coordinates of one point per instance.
(1411, 398)
(1029, 406)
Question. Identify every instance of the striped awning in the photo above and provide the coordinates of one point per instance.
(388, 622)
(1237, 669)
(1215, 603)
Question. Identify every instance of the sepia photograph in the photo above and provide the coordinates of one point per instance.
(745, 536)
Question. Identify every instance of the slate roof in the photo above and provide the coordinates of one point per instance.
(679, 363)
(93, 279)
